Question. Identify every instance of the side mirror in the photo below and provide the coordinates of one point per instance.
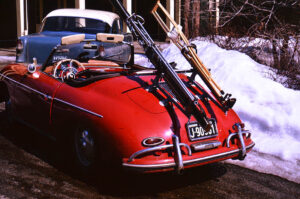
(110, 38)
(72, 39)
(32, 67)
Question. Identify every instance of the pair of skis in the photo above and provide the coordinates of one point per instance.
(165, 70)
(189, 51)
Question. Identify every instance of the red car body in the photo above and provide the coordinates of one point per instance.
(120, 112)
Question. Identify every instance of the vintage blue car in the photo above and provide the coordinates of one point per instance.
(65, 22)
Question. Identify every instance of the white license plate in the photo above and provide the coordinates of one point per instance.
(196, 132)
(58, 58)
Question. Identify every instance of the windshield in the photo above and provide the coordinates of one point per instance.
(76, 24)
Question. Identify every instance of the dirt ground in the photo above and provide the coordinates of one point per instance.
(31, 166)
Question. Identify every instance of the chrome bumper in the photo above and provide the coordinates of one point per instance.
(187, 162)
(179, 164)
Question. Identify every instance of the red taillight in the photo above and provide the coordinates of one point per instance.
(101, 51)
(152, 141)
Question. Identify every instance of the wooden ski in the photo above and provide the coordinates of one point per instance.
(188, 50)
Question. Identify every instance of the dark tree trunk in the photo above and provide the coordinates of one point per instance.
(186, 16)
(196, 13)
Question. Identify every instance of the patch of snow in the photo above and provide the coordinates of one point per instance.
(7, 59)
(142, 60)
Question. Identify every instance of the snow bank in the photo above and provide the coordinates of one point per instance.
(268, 109)
(7, 59)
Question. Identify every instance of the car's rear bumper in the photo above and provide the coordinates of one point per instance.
(205, 152)
(186, 163)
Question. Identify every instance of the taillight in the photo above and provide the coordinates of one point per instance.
(101, 51)
(153, 141)
(19, 46)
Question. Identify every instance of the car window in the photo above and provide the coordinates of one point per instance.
(76, 24)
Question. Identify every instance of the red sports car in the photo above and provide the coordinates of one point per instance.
(120, 114)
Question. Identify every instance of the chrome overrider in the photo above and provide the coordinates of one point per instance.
(178, 154)
(240, 132)
(178, 161)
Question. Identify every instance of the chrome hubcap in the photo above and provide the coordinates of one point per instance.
(85, 147)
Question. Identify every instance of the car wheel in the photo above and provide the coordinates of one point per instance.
(85, 149)
(92, 156)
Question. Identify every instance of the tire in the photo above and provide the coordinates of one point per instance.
(85, 151)
(95, 160)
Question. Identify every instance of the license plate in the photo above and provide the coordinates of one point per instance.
(196, 132)
(58, 58)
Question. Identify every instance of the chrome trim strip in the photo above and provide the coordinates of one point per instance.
(50, 98)
(187, 162)
(78, 107)
(29, 88)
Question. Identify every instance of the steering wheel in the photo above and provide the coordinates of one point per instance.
(67, 69)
